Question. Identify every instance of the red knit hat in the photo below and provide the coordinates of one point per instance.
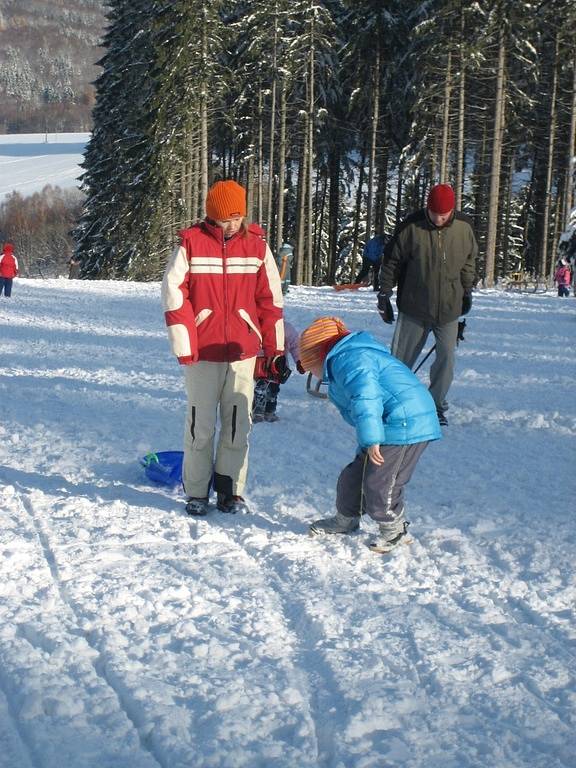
(441, 199)
(225, 199)
(318, 339)
(8, 248)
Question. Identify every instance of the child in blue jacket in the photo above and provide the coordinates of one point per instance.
(394, 416)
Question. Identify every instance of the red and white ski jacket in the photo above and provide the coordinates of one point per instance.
(8, 262)
(222, 298)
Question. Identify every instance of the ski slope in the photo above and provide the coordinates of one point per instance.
(132, 636)
(30, 161)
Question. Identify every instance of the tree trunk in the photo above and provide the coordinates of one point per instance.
(549, 170)
(333, 212)
(204, 122)
(260, 161)
(281, 168)
(399, 192)
(195, 205)
(446, 122)
(499, 119)
(250, 185)
(459, 181)
(357, 216)
(382, 195)
(270, 195)
(569, 200)
(310, 164)
(189, 178)
(373, 139)
(319, 227)
(301, 210)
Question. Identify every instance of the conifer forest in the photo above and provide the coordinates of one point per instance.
(337, 116)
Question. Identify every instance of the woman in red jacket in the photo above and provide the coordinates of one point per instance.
(222, 301)
(8, 269)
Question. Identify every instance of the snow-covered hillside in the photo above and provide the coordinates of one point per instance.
(132, 636)
(30, 161)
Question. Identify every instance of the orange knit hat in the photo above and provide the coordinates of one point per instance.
(318, 338)
(225, 199)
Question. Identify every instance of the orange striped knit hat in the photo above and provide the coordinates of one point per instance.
(317, 340)
(225, 199)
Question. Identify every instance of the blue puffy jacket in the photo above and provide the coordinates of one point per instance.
(374, 248)
(379, 395)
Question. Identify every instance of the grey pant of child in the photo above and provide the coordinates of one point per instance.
(409, 338)
(378, 491)
(227, 388)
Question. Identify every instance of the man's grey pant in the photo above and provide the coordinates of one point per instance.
(408, 342)
(378, 491)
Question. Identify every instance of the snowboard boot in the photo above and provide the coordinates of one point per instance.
(231, 504)
(389, 538)
(338, 524)
(197, 507)
(271, 417)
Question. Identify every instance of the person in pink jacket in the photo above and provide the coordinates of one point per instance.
(268, 382)
(8, 269)
(562, 278)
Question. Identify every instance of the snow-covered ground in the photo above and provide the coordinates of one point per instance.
(132, 636)
(29, 161)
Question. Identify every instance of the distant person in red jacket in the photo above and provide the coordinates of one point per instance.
(222, 300)
(562, 278)
(8, 269)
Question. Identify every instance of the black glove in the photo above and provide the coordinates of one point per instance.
(278, 368)
(466, 302)
(385, 308)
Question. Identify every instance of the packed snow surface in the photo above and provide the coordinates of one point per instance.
(133, 636)
(30, 161)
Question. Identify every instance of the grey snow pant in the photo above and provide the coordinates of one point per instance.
(227, 389)
(378, 491)
(408, 342)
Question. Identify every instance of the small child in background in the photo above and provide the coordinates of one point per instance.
(268, 381)
(8, 269)
(562, 278)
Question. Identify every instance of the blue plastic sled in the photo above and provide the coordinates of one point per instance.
(164, 467)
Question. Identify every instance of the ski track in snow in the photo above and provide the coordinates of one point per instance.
(132, 635)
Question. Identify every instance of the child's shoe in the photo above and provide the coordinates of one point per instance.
(231, 504)
(338, 524)
(197, 507)
(389, 538)
(442, 417)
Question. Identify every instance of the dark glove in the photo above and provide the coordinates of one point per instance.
(466, 302)
(299, 367)
(385, 308)
(278, 368)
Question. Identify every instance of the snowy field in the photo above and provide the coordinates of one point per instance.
(132, 636)
(29, 161)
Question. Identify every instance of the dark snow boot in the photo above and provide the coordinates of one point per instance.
(231, 504)
(389, 538)
(197, 507)
(338, 524)
(442, 417)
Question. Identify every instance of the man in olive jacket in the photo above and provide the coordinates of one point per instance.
(432, 260)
